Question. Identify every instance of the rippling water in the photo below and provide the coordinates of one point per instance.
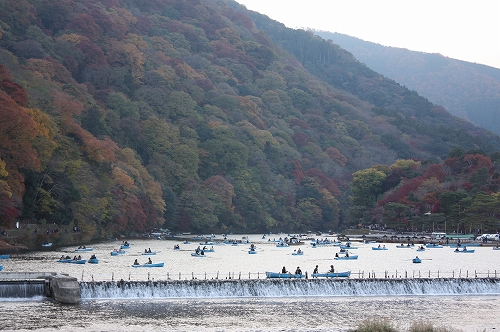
(266, 311)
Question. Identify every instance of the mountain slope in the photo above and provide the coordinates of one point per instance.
(468, 90)
(196, 116)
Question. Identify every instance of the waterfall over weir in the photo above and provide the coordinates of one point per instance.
(288, 288)
(28, 289)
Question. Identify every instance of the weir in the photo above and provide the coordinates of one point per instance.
(60, 287)
(289, 288)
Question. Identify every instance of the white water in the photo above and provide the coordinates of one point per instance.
(259, 304)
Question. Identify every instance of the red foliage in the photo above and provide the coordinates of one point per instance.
(8, 211)
(301, 139)
(298, 173)
(324, 180)
(16, 92)
(86, 25)
(435, 171)
(400, 194)
(474, 162)
(223, 49)
(336, 156)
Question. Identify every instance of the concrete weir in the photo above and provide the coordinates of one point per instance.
(60, 287)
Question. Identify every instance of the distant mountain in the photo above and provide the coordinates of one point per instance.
(468, 90)
(122, 116)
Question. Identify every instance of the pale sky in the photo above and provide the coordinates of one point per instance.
(467, 30)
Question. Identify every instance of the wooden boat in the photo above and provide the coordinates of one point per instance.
(159, 264)
(152, 253)
(197, 255)
(84, 249)
(345, 274)
(416, 260)
(93, 261)
(346, 257)
(7, 256)
(464, 250)
(284, 275)
(118, 252)
(379, 248)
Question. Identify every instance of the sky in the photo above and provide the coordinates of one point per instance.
(467, 30)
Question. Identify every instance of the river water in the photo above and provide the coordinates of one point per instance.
(117, 297)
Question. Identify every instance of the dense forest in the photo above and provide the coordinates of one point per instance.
(121, 116)
(468, 90)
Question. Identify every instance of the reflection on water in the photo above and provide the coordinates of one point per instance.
(250, 314)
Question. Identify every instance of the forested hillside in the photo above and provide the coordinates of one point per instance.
(120, 116)
(468, 90)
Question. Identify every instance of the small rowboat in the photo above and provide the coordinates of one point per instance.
(73, 261)
(152, 253)
(197, 255)
(159, 264)
(379, 248)
(404, 246)
(465, 250)
(416, 260)
(342, 246)
(433, 245)
(252, 251)
(84, 249)
(207, 243)
(297, 253)
(7, 256)
(346, 257)
(284, 275)
(209, 250)
(125, 246)
(47, 244)
(420, 249)
(93, 261)
(496, 248)
(282, 245)
(118, 252)
(345, 274)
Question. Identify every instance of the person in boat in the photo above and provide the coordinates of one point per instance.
(202, 253)
(176, 246)
(336, 254)
(416, 257)
(204, 248)
(299, 251)
(145, 251)
(465, 248)
(347, 254)
(283, 270)
(67, 257)
(298, 270)
(457, 249)
(136, 262)
(332, 269)
(93, 257)
(379, 245)
(150, 261)
(149, 250)
(62, 257)
(315, 270)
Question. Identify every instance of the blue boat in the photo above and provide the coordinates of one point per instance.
(194, 254)
(404, 246)
(282, 245)
(73, 261)
(417, 260)
(464, 250)
(345, 274)
(152, 253)
(93, 261)
(7, 256)
(284, 275)
(84, 249)
(433, 245)
(379, 248)
(252, 251)
(341, 258)
(1, 267)
(343, 246)
(125, 246)
(159, 264)
(118, 252)
(298, 253)
(421, 248)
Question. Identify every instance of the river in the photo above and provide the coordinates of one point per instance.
(384, 284)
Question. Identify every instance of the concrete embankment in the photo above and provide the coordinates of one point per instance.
(60, 287)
